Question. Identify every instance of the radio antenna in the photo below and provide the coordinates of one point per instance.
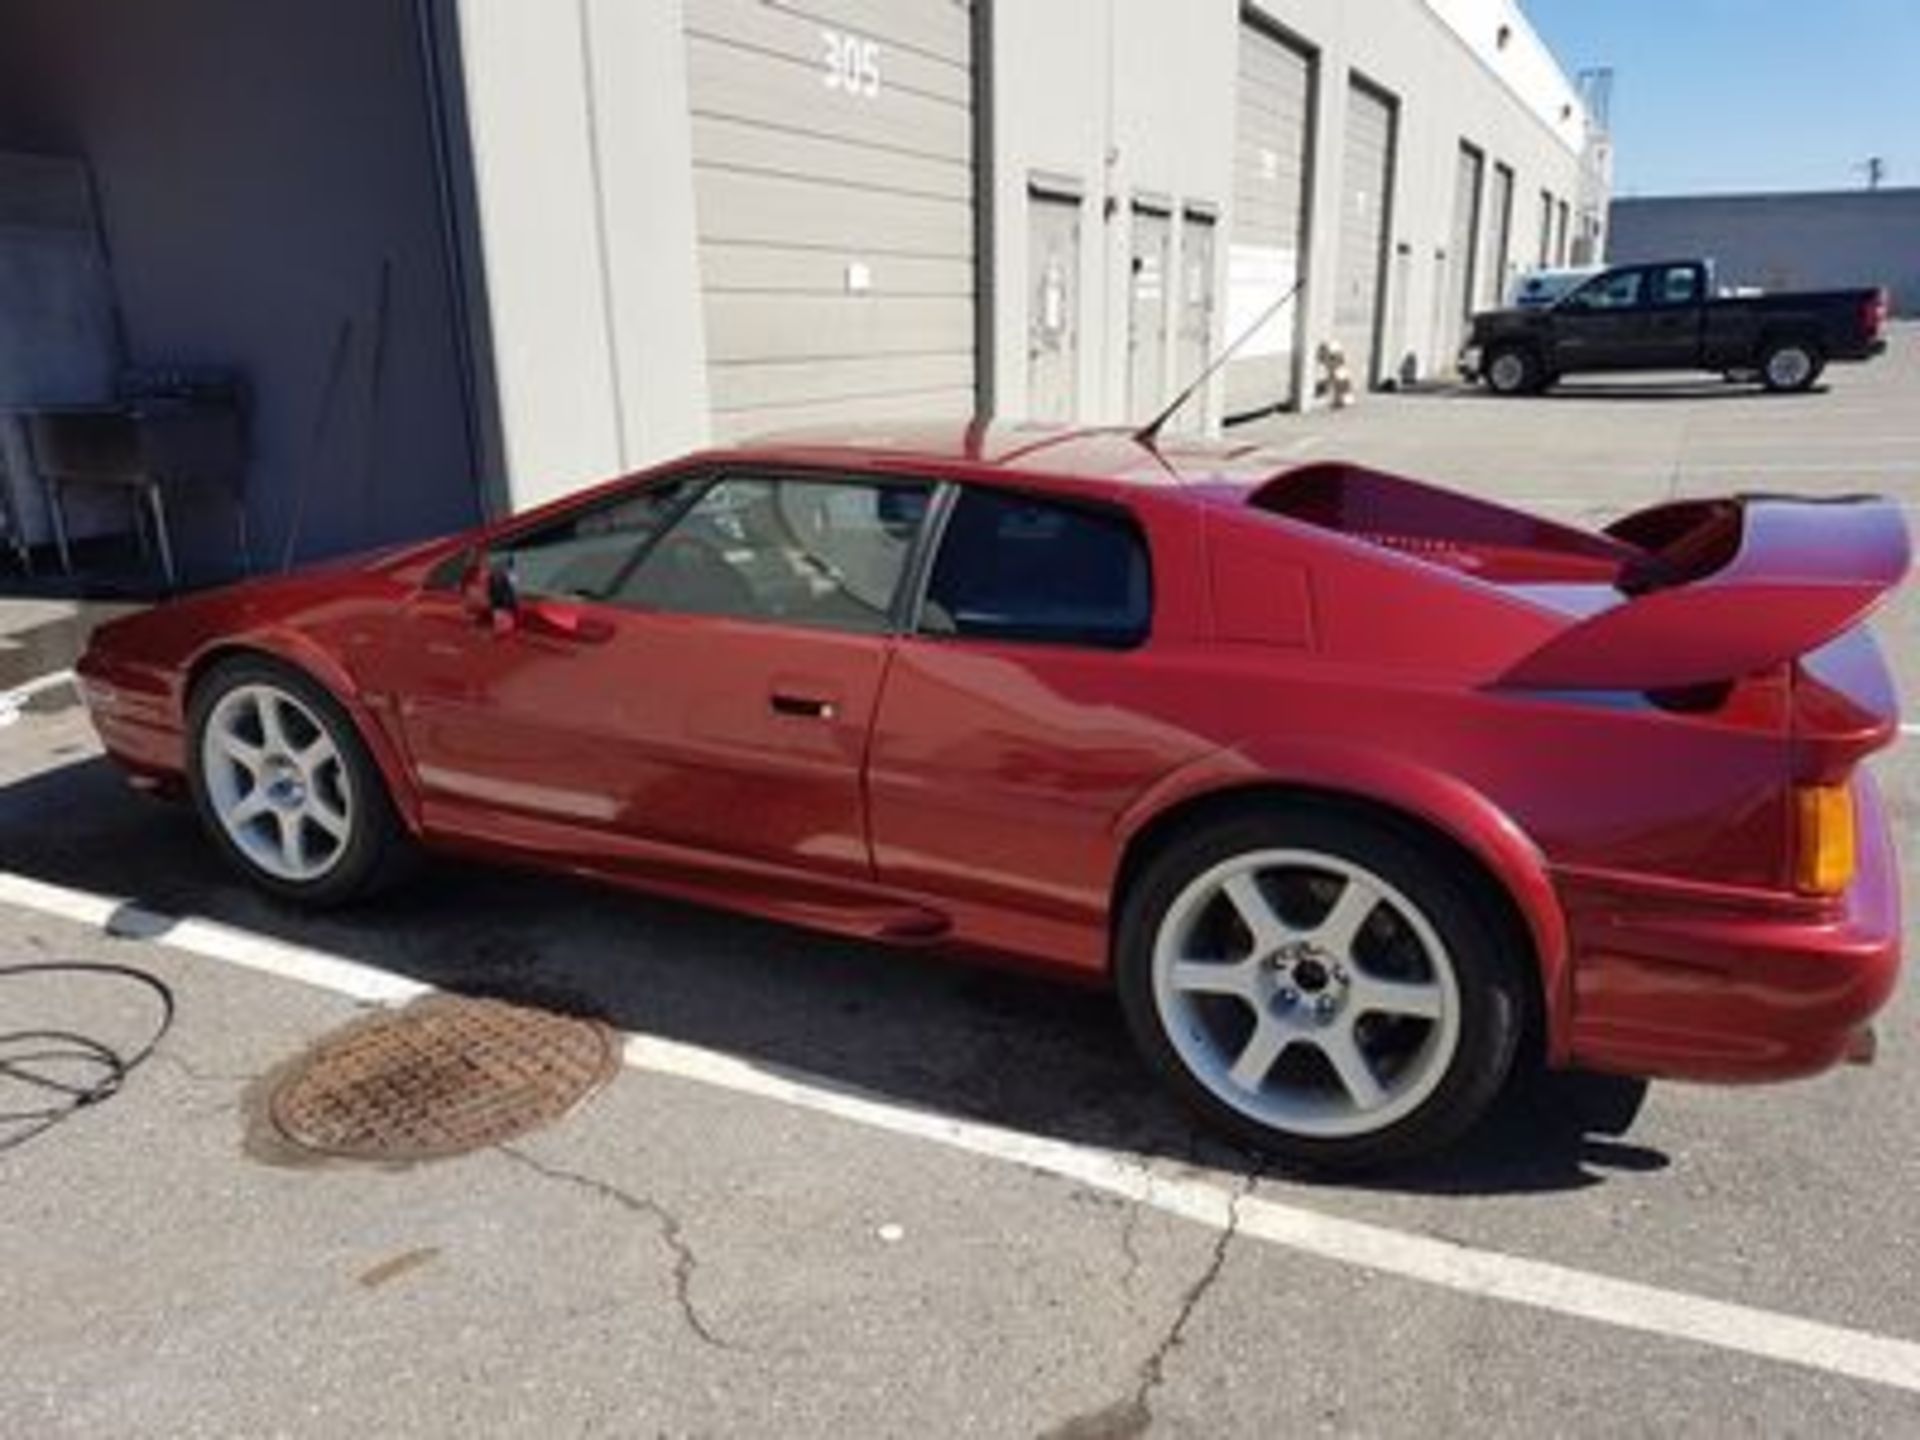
(1150, 431)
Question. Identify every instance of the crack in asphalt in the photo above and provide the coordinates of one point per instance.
(1132, 1414)
(1128, 1248)
(180, 1065)
(685, 1262)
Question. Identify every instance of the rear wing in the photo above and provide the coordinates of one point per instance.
(1720, 589)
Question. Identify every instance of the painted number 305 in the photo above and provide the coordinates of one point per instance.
(852, 63)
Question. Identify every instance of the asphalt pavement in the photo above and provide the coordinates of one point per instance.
(841, 1191)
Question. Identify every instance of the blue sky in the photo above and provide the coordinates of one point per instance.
(1749, 94)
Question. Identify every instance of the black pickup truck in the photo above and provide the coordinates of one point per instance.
(1665, 317)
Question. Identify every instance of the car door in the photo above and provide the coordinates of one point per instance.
(1670, 330)
(701, 677)
(1597, 326)
(1016, 724)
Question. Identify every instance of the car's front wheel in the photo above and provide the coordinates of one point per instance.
(1322, 985)
(285, 786)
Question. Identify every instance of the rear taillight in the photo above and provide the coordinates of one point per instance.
(1873, 314)
(1824, 852)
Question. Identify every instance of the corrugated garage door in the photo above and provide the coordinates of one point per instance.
(1270, 172)
(1366, 172)
(834, 191)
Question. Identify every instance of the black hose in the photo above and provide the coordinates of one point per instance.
(65, 1098)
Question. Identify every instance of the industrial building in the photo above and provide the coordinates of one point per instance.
(1814, 240)
(446, 258)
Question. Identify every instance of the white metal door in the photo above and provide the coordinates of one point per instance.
(834, 194)
(1273, 97)
(1366, 177)
(1053, 305)
(1497, 240)
(1193, 336)
(1147, 312)
(1462, 249)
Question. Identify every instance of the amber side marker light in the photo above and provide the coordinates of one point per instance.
(1824, 860)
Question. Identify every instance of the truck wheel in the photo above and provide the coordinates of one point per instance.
(1514, 370)
(1789, 365)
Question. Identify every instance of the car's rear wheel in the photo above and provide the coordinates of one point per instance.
(1323, 986)
(1514, 370)
(285, 786)
(1789, 365)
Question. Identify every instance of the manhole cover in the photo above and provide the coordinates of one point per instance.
(443, 1076)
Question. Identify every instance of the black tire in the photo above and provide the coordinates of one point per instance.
(1514, 370)
(1790, 364)
(1487, 961)
(376, 849)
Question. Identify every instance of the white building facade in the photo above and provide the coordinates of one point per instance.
(633, 227)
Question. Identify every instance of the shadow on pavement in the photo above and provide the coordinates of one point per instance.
(1604, 390)
(1016, 1051)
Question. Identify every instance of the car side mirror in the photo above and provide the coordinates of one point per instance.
(490, 592)
(502, 596)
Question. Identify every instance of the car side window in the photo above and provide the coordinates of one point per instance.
(1616, 290)
(1677, 285)
(584, 555)
(1014, 567)
(824, 553)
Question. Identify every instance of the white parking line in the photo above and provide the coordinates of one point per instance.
(1463, 1269)
(13, 701)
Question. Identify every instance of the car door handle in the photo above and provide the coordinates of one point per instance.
(806, 707)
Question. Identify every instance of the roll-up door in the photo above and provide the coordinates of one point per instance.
(1366, 178)
(834, 190)
(1273, 99)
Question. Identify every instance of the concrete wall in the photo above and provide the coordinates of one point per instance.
(1784, 242)
(268, 194)
(582, 170)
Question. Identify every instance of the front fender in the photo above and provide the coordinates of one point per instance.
(1439, 800)
(314, 660)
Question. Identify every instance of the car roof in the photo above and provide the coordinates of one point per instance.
(1102, 457)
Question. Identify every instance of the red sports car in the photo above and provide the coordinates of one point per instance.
(1361, 792)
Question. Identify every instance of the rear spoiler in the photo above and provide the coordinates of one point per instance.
(1721, 589)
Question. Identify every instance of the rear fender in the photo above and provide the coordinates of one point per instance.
(1441, 802)
(318, 664)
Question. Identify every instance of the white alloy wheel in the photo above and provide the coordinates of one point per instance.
(277, 783)
(1305, 992)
